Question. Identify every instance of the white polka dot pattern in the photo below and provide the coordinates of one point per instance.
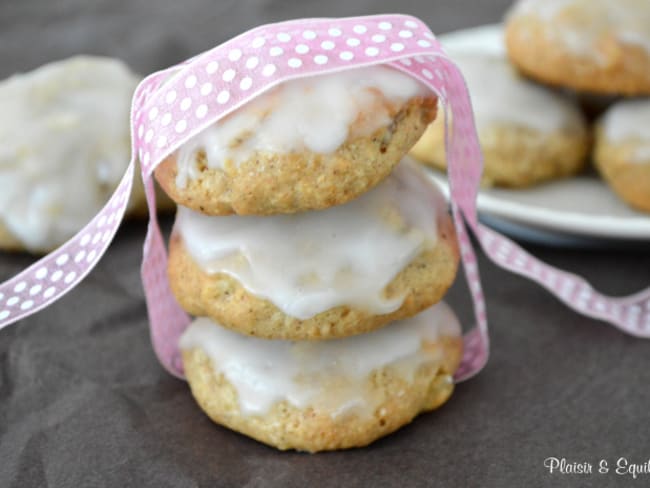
(173, 105)
(167, 320)
(50, 278)
(630, 314)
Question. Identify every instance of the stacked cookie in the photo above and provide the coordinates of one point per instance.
(622, 152)
(596, 51)
(315, 261)
(594, 46)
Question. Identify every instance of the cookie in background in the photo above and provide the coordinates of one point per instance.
(528, 134)
(324, 395)
(306, 144)
(597, 46)
(622, 151)
(345, 270)
(65, 146)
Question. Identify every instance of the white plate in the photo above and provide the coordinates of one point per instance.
(582, 206)
(574, 211)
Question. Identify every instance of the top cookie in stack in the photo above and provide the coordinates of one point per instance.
(306, 144)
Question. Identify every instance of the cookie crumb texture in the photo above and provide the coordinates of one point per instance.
(269, 183)
(397, 401)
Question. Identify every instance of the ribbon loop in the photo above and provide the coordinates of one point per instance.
(171, 106)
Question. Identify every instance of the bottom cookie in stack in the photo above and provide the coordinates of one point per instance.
(323, 395)
(347, 348)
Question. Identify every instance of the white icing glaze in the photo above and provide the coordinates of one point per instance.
(314, 113)
(309, 262)
(500, 95)
(629, 121)
(326, 375)
(579, 23)
(65, 145)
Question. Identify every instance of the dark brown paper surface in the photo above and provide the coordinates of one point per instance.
(83, 401)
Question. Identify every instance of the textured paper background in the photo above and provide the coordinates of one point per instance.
(83, 401)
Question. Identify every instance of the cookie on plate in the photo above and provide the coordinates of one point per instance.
(317, 275)
(8, 242)
(65, 146)
(528, 134)
(316, 396)
(622, 153)
(306, 144)
(599, 46)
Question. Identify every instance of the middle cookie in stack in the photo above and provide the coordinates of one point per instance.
(380, 249)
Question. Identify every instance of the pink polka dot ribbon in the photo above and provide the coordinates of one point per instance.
(171, 106)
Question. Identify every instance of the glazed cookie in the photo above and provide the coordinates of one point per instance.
(528, 134)
(316, 396)
(622, 152)
(65, 146)
(599, 46)
(306, 144)
(318, 275)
